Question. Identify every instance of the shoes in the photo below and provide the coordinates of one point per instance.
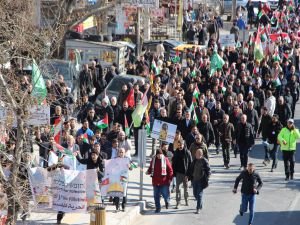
(157, 210)
(287, 178)
(292, 176)
(217, 151)
(264, 162)
(173, 189)
(226, 166)
(197, 211)
(58, 222)
(167, 205)
(272, 170)
(235, 156)
(177, 206)
(241, 213)
(186, 202)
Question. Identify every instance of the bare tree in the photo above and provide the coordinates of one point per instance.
(20, 40)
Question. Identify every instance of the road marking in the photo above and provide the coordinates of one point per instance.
(293, 206)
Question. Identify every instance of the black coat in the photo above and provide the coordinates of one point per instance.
(205, 169)
(177, 159)
(207, 132)
(252, 118)
(99, 165)
(250, 181)
(273, 132)
(248, 139)
(284, 113)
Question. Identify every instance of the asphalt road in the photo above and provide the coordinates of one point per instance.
(277, 204)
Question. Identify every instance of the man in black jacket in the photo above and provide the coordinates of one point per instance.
(252, 116)
(206, 129)
(244, 140)
(283, 111)
(263, 129)
(273, 131)
(226, 132)
(251, 185)
(216, 118)
(181, 161)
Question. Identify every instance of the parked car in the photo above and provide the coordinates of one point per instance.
(115, 86)
(169, 46)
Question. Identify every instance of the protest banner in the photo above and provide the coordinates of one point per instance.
(68, 189)
(227, 40)
(114, 182)
(64, 190)
(163, 131)
(40, 184)
(38, 115)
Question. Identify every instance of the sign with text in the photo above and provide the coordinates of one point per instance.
(143, 3)
(39, 115)
(114, 182)
(64, 190)
(163, 131)
(227, 40)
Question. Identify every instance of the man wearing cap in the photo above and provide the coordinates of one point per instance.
(288, 142)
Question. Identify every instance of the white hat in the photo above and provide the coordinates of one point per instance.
(290, 121)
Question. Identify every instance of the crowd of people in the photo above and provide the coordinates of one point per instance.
(221, 111)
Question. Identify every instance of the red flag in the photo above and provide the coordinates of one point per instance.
(57, 129)
(130, 98)
(274, 37)
(285, 55)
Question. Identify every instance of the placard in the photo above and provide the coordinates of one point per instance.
(39, 115)
(163, 131)
(227, 40)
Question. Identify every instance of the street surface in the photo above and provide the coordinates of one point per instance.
(277, 204)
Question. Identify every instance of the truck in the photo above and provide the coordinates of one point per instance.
(105, 53)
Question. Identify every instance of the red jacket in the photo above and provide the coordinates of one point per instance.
(158, 179)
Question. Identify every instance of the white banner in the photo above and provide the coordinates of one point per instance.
(40, 184)
(64, 190)
(39, 115)
(163, 131)
(114, 182)
(227, 40)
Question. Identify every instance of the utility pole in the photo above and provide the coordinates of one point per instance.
(142, 135)
(233, 10)
(175, 19)
(138, 32)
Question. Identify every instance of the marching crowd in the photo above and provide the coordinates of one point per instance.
(227, 103)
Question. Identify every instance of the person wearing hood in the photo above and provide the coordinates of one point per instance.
(287, 138)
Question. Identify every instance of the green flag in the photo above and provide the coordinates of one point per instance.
(216, 62)
(39, 90)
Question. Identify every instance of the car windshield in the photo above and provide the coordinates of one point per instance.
(51, 69)
(116, 84)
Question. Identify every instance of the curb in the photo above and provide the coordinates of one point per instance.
(133, 213)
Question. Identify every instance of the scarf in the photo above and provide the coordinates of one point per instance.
(163, 166)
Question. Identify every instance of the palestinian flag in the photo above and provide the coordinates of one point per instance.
(130, 98)
(126, 127)
(39, 90)
(138, 113)
(123, 179)
(196, 94)
(102, 124)
(154, 68)
(276, 57)
(277, 82)
(258, 49)
(57, 127)
(274, 37)
(85, 138)
(192, 110)
(62, 150)
(285, 55)
(285, 36)
(132, 165)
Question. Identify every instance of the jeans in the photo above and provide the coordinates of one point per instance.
(274, 155)
(289, 162)
(180, 180)
(267, 151)
(161, 190)
(243, 155)
(226, 152)
(198, 193)
(251, 200)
